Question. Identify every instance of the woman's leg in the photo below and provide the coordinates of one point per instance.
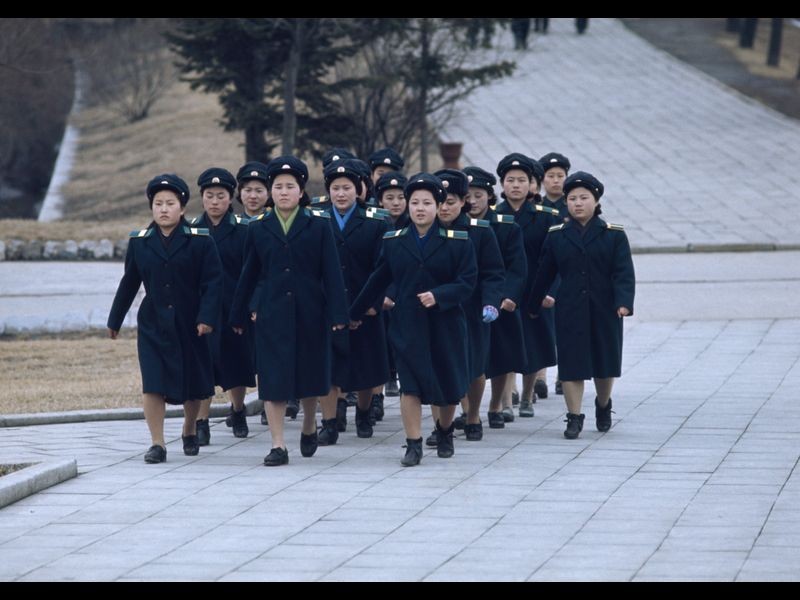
(155, 407)
(446, 414)
(603, 388)
(411, 412)
(310, 414)
(527, 386)
(474, 397)
(499, 386)
(328, 403)
(237, 395)
(204, 408)
(275, 414)
(573, 395)
(191, 409)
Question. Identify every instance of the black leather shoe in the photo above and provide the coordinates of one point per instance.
(508, 414)
(540, 388)
(413, 453)
(444, 447)
(474, 432)
(155, 454)
(203, 432)
(559, 388)
(228, 421)
(432, 441)
(515, 398)
(376, 408)
(308, 444)
(292, 408)
(526, 407)
(190, 445)
(239, 419)
(341, 414)
(460, 422)
(276, 457)
(392, 389)
(574, 425)
(363, 423)
(496, 420)
(328, 434)
(352, 398)
(602, 416)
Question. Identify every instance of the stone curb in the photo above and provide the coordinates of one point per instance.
(35, 478)
(252, 405)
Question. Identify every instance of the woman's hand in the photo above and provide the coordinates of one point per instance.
(203, 329)
(548, 302)
(508, 305)
(427, 299)
(113, 334)
(372, 312)
(623, 312)
(238, 330)
(253, 316)
(388, 303)
(355, 324)
(339, 326)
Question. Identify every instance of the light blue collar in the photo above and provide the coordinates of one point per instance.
(342, 219)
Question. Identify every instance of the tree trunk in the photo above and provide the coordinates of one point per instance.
(732, 25)
(423, 95)
(748, 33)
(255, 147)
(775, 35)
(290, 88)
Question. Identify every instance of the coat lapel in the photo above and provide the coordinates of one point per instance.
(433, 244)
(409, 243)
(596, 227)
(273, 226)
(353, 223)
(154, 243)
(300, 223)
(573, 235)
(180, 240)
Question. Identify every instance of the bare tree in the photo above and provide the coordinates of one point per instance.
(131, 67)
(775, 34)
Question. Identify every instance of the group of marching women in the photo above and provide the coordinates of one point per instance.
(427, 279)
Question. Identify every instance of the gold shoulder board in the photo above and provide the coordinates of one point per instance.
(394, 234)
(453, 234)
(140, 233)
(479, 223)
(556, 227)
(615, 226)
(547, 209)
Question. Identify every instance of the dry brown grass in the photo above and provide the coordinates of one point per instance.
(70, 372)
(755, 58)
(28, 230)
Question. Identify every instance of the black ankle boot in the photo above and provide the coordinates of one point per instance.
(413, 453)
(376, 408)
(341, 414)
(445, 447)
(574, 425)
(328, 434)
(363, 423)
(239, 423)
(602, 416)
(203, 432)
(308, 443)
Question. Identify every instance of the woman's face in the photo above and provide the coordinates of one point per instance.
(254, 196)
(422, 208)
(286, 192)
(450, 208)
(516, 184)
(478, 201)
(167, 209)
(216, 201)
(380, 170)
(554, 182)
(581, 204)
(534, 188)
(394, 201)
(343, 194)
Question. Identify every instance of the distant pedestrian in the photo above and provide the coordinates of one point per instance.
(541, 24)
(182, 275)
(597, 289)
(292, 256)
(520, 29)
(581, 25)
(434, 270)
(233, 357)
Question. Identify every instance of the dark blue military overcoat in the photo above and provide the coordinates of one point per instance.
(430, 344)
(360, 356)
(507, 352)
(488, 290)
(301, 295)
(597, 277)
(535, 220)
(233, 354)
(183, 287)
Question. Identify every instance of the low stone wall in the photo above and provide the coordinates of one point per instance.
(104, 249)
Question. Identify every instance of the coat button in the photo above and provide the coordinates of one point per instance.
(287, 269)
(583, 291)
(169, 305)
(288, 293)
(166, 285)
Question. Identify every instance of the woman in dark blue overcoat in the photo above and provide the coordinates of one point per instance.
(360, 359)
(233, 360)
(515, 172)
(594, 260)
(182, 275)
(507, 355)
(434, 271)
(291, 253)
(483, 306)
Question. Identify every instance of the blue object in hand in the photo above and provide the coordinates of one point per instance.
(490, 313)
